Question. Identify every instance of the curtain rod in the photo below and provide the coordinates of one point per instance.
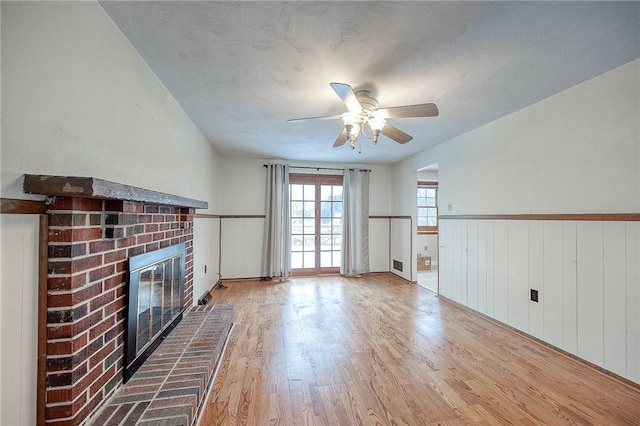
(321, 168)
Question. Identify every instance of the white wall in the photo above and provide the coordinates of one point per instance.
(430, 175)
(243, 185)
(575, 152)
(18, 318)
(401, 248)
(427, 245)
(77, 100)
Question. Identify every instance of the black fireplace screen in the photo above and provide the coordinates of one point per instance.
(155, 301)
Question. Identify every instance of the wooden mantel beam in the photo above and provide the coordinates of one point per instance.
(88, 187)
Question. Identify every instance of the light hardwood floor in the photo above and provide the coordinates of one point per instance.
(380, 351)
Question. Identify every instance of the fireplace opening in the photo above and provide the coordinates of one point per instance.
(155, 302)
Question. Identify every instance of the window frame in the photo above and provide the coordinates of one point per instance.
(424, 230)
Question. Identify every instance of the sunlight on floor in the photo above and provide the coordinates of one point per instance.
(429, 279)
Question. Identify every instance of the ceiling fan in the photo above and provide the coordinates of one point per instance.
(363, 109)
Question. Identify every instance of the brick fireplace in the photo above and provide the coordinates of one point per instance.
(91, 236)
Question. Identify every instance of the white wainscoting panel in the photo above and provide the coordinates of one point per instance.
(590, 292)
(205, 254)
(472, 264)
(536, 278)
(569, 286)
(614, 298)
(490, 269)
(401, 247)
(450, 263)
(482, 266)
(587, 274)
(379, 245)
(553, 277)
(19, 318)
(518, 274)
(632, 244)
(445, 266)
(238, 234)
(459, 261)
(501, 270)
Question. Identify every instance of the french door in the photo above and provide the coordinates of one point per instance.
(316, 223)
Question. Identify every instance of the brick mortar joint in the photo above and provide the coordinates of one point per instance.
(185, 235)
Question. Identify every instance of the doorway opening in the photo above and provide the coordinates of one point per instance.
(427, 227)
(316, 223)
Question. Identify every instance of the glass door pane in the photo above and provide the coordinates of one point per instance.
(303, 233)
(330, 225)
(316, 223)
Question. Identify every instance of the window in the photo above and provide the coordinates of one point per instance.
(316, 223)
(427, 207)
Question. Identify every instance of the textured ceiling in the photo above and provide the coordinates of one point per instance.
(241, 69)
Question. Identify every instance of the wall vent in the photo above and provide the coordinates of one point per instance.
(397, 265)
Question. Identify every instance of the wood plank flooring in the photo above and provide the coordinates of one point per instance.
(380, 351)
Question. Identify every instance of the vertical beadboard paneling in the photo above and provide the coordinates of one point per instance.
(472, 264)
(569, 286)
(456, 284)
(462, 244)
(19, 317)
(536, 281)
(482, 266)
(553, 294)
(590, 292)
(587, 274)
(614, 303)
(501, 270)
(443, 258)
(490, 268)
(449, 259)
(518, 275)
(632, 245)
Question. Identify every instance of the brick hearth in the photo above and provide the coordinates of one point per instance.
(90, 241)
(171, 386)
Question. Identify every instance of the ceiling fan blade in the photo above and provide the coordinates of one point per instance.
(326, 117)
(345, 92)
(396, 134)
(407, 111)
(342, 138)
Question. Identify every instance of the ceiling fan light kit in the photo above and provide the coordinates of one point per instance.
(363, 109)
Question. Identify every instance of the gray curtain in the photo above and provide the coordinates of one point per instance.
(355, 222)
(277, 240)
